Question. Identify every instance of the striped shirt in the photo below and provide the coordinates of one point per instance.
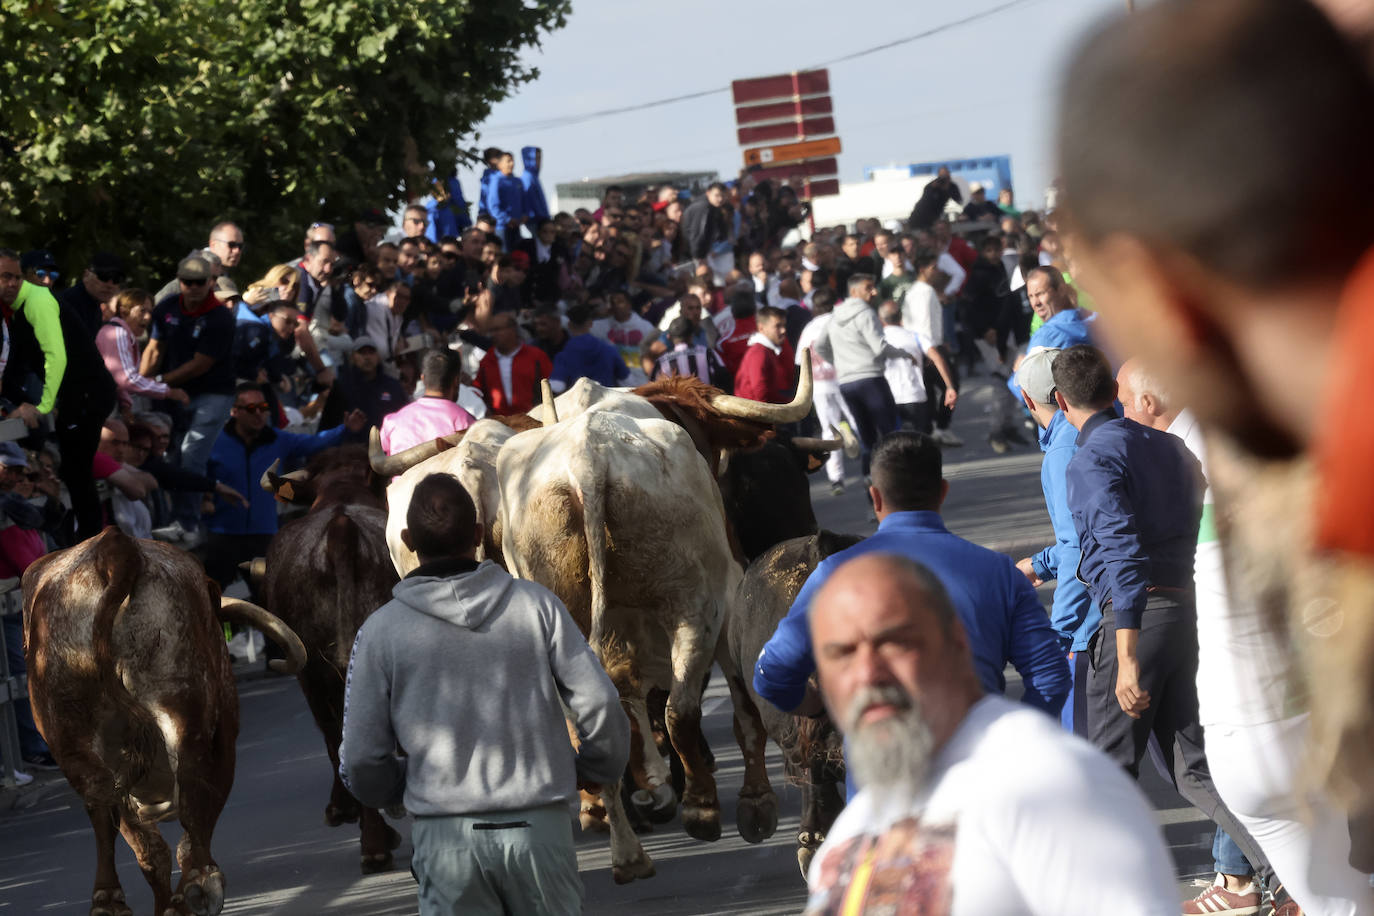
(117, 347)
(686, 360)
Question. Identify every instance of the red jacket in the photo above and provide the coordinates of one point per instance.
(732, 347)
(764, 375)
(528, 367)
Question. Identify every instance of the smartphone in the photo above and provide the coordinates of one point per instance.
(273, 294)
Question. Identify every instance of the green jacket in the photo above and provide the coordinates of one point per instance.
(36, 328)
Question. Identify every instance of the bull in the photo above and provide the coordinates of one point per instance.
(812, 749)
(132, 687)
(325, 572)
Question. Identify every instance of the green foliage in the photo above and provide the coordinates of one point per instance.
(132, 125)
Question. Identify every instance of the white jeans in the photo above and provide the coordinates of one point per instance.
(830, 410)
(1257, 770)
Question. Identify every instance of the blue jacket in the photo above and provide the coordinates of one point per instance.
(450, 217)
(240, 465)
(484, 184)
(586, 355)
(1064, 329)
(536, 207)
(995, 603)
(505, 200)
(1135, 494)
(1074, 616)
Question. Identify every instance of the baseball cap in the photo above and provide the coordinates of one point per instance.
(193, 267)
(372, 216)
(12, 456)
(226, 288)
(364, 341)
(109, 267)
(520, 260)
(39, 258)
(1035, 377)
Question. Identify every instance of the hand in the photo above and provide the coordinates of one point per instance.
(1133, 699)
(255, 295)
(1027, 568)
(29, 414)
(230, 495)
(951, 397)
(356, 421)
(178, 395)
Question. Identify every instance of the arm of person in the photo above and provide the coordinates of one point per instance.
(135, 381)
(46, 320)
(603, 731)
(1109, 514)
(368, 764)
(956, 272)
(133, 483)
(1035, 650)
(151, 359)
(301, 445)
(786, 663)
(751, 379)
(195, 367)
(1049, 562)
(937, 359)
(311, 350)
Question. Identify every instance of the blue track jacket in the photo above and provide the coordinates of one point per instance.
(234, 462)
(1074, 616)
(536, 207)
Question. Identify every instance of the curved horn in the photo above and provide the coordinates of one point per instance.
(238, 611)
(392, 465)
(745, 409)
(254, 570)
(550, 411)
(266, 481)
(811, 444)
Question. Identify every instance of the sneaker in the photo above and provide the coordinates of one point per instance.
(999, 445)
(837, 488)
(192, 539)
(21, 778)
(42, 761)
(1216, 900)
(946, 438)
(851, 441)
(1280, 904)
(172, 533)
(1290, 908)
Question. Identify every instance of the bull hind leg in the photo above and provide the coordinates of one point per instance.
(653, 798)
(692, 655)
(756, 813)
(323, 687)
(107, 896)
(154, 860)
(628, 858)
(378, 842)
(206, 780)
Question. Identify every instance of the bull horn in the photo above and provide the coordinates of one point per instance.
(385, 465)
(254, 570)
(812, 444)
(267, 475)
(550, 411)
(746, 409)
(239, 611)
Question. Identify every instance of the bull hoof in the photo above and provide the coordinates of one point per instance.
(204, 891)
(804, 857)
(109, 903)
(335, 816)
(757, 817)
(376, 863)
(593, 820)
(639, 867)
(701, 822)
(657, 805)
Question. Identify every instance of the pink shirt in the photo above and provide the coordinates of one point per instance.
(118, 348)
(423, 420)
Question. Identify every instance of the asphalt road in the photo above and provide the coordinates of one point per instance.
(280, 859)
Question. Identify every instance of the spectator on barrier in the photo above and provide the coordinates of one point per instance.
(100, 282)
(765, 372)
(938, 192)
(117, 342)
(362, 386)
(460, 628)
(629, 333)
(689, 358)
(549, 333)
(434, 414)
(505, 201)
(509, 374)
(586, 355)
(40, 268)
(127, 510)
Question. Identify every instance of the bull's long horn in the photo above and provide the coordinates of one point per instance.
(811, 444)
(237, 611)
(550, 411)
(266, 481)
(745, 409)
(391, 465)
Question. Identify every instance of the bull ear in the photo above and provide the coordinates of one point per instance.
(282, 487)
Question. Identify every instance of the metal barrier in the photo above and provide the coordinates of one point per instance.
(12, 687)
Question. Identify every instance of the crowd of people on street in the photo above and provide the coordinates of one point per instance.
(155, 404)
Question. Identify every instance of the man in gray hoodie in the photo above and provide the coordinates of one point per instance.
(853, 343)
(468, 670)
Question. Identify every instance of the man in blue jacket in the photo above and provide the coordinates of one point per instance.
(536, 207)
(1074, 616)
(245, 448)
(995, 603)
(504, 199)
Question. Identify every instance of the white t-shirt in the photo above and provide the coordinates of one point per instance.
(1244, 675)
(503, 365)
(628, 337)
(904, 376)
(1019, 818)
(922, 312)
(822, 372)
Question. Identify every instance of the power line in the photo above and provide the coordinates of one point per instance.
(569, 120)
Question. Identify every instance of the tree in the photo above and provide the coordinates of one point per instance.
(133, 125)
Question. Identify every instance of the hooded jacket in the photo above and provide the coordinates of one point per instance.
(853, 343)
(450, 216)
(465, 669)
(536, 207)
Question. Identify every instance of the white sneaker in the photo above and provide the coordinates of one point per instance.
(172, 533)
(21, 778)
(946, 438)
(192, 539)
(851, 441)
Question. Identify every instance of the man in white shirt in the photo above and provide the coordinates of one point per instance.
(923, 314)
(906, 377)
(970, 805)
(629, 333)
(831, 410)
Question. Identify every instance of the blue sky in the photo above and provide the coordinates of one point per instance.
(983, 88)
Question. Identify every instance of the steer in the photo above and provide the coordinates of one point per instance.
(325, 573)
(811, 748)
(132, 688)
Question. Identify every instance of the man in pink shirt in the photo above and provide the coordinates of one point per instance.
(434, 415)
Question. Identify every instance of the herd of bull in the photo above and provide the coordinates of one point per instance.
(674, 521)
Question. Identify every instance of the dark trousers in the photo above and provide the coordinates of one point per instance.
(870, 403)
(31, 743)
(1168, 655)
(935, 391)
(79, 419)
(914, 416)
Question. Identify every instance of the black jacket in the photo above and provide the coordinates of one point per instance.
(703, 225)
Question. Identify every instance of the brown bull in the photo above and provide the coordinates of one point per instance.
(324, 574)
(132, 688)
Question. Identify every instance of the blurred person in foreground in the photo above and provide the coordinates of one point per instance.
(1251, 299)
(940, 825)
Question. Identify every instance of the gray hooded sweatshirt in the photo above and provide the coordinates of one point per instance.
(465, 672)
(853, 343)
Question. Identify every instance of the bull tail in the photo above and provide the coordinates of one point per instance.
(132, 729)
(594, 528)
(342, 545)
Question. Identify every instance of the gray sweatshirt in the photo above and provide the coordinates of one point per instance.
(853, 343)
(465, 673)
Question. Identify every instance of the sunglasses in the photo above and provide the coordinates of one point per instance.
(45, 274)
(232, 246)
(105, 276)
(201, 282)
(329, 226)
(255, 408)
(449, 256)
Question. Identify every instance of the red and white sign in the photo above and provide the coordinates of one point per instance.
(791, 115)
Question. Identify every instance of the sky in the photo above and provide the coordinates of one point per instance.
(983, 88)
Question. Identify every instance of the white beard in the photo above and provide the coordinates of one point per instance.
(891, 756)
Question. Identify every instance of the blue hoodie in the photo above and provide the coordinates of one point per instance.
(536, 207)
(450, 217)
(1074, 616)
(505, 200)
